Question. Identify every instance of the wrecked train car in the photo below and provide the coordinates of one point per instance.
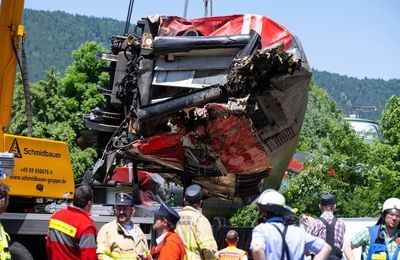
(217, 101)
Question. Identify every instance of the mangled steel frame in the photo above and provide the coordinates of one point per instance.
(218, 101)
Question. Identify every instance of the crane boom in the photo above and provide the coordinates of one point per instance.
(42, 167)
(11, 30)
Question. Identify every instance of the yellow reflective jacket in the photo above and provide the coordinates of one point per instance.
(196, 232)
(4, 238)
(115, 242)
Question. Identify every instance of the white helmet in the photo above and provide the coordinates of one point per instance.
(392, 203)
(271, 197)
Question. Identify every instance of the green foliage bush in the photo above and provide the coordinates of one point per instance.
(59, 102)
(245, 217)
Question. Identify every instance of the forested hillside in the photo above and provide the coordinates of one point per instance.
(349, 92)
(52, 36)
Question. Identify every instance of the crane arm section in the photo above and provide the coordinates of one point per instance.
(42, 167)
(11, 30)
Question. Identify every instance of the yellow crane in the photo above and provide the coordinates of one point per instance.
(42, 167)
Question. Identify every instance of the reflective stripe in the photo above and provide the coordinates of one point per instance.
(101, 249)
(189, 241)
(204, 243)
(87, 241)
(62, 238)
(63, 227)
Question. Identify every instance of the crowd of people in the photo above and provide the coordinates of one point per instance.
(187, 234)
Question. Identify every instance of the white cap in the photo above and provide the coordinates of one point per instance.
(392, 203)
(271, 197)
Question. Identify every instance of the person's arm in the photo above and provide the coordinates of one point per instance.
(361, 239)
(324, 253)
(257, 245)
(205, 239)
(87, 244)
(348, 251)
(103, 248)
(258, 253)
(142, 249)
(317, 246)
(48, 248)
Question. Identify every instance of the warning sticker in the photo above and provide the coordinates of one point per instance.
(15, 149)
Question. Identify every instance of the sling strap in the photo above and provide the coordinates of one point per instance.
(330, 237)
(330, 230)
(285, 248)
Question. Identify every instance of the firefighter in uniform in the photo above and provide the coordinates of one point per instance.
(168, 246)
(72, 233)
(194, 229)
(4, 238)
(121, 238)
(231, 252)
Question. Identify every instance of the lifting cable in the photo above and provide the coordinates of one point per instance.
(25, 82)
(128, 17)
(185, 9)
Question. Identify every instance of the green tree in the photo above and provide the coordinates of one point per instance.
(390, 121)
(59, 102)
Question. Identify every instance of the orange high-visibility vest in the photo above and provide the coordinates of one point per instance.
(231, 253)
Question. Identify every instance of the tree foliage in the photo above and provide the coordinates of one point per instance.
(53, 35)
(349, 92)
(361, 176)
(59, 102)
(391, 120)
(245, 217)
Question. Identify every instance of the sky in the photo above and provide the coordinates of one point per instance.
(357, 38)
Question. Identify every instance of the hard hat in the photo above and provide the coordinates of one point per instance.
(271, 197)
(392, 203)
(272, 201)
(193, 194)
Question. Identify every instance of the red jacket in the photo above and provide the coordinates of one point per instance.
(170, 248)
(72, 235)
